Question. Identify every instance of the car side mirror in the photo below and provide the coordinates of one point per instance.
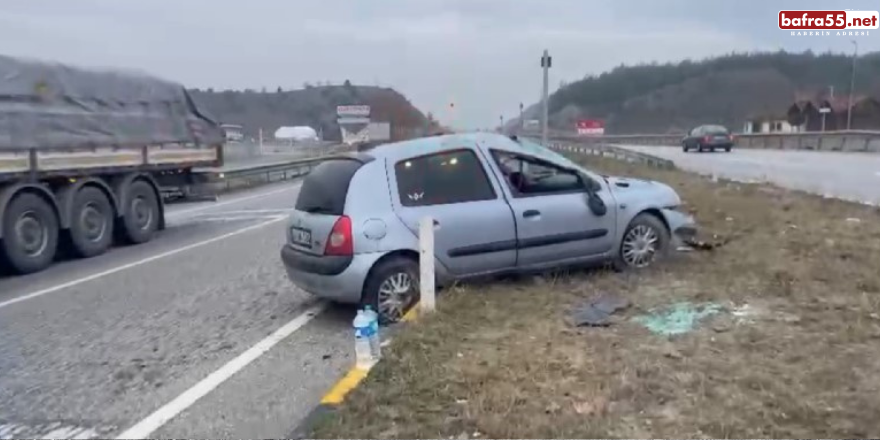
(594, 202)
(589, 184)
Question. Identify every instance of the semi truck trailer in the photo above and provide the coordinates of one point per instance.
(85, 156)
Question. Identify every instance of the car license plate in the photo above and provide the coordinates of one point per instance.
(720, 138)
(300, 236)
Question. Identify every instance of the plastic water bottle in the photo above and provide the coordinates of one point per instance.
(375, 340)
(363, 330)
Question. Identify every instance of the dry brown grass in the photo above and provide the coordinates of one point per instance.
(500, 360)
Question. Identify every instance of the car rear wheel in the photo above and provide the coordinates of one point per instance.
(645, 241)
(684, 148)
(392, 288)
(727, 149)
(700, 148)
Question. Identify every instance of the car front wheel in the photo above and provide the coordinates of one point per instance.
(645, 241)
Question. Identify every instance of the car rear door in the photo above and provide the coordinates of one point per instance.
(320, 204)
(474, 230)
(549, 203)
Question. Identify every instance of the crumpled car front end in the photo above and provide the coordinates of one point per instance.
(648, 194)
(682, 225)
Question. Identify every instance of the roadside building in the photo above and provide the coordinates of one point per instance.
(821, 112)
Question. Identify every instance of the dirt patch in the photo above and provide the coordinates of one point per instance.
(792, 351)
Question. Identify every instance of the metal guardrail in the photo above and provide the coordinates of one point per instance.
(221, 180)
(613, 152)
(843, 140)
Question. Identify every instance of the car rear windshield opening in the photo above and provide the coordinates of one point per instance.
(325, 188)
(715, 129)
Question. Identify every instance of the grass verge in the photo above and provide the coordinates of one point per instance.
(793, 353)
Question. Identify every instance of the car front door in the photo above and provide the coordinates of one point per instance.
(474, 230)
(553, 220)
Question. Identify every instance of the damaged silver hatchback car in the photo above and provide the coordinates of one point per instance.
(499, 205)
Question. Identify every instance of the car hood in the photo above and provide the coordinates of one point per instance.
(631, 189)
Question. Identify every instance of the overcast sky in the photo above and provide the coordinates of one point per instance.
(481, 54)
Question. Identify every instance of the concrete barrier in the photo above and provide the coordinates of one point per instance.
(845, 140)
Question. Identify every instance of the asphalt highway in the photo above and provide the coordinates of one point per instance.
(850, 176)
(195, 334)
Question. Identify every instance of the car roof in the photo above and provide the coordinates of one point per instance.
(435, 144)
(397, 151)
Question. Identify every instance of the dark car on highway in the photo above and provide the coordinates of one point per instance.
(708, 137)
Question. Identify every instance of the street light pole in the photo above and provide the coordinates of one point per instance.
(501, 127)
(546, 61)
(852, 85)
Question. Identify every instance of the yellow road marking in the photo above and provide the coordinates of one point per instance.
(412, 314)
(351, 380)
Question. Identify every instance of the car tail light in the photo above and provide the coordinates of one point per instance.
(731, 137)
(707, 139)
(340, 240)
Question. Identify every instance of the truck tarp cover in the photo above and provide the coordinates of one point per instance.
(45, 105)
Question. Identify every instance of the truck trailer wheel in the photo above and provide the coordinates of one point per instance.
(30, 234)
(140, 213)
(91, 222)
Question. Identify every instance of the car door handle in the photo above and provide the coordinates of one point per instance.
(531, 213)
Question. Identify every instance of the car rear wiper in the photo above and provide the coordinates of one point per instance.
(316, 210)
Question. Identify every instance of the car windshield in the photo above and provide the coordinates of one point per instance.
(538, 150)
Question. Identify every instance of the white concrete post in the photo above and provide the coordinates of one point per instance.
(261, 141)
(426, 264)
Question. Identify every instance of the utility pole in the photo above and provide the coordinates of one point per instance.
(521, 121)
(501, 127)
(546, 62)
(852, 85)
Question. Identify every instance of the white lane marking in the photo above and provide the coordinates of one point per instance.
(94, 276)
(163, 415)
(209, 205)
(259, 211)
(237, 218)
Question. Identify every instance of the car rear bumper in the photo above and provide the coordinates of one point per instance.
(718, 145)
(339, 279)
(317, 264)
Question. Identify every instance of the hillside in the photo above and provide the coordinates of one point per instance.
(728, 89)
(312, 106)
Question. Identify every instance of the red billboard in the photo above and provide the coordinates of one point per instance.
(591, 127)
